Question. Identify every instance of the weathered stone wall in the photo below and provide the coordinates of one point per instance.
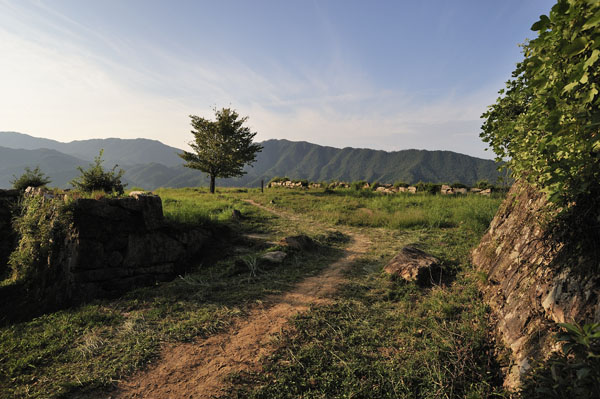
(531, 287)
(111, 246)
(8, 202)
(120, 243)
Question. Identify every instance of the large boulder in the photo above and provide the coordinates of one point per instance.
(412, 264)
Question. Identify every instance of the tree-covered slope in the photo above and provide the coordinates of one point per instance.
(116, 151)
(151, 164)
(318, 163)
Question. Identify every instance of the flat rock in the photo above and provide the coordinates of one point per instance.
(274, 257)
(412, 264)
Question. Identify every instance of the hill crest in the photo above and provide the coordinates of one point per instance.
(151, 164)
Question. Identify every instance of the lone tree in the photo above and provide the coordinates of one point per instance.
(221, 147)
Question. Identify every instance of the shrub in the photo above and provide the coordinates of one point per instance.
(458, 185)
(41, 226)
(431, 188)
(31, 178)
(358, 185)
(95, 178)
(546, 122)
(572, 373)
(483, 185)
(399, 184)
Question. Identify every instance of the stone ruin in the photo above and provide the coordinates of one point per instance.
(448, 190)
(120, 243)
(531, 286)
(286, 184)
(115, 244)
(391, 189)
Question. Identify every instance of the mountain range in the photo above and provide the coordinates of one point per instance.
(151, 164)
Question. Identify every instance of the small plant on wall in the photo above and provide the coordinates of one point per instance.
(95, 178)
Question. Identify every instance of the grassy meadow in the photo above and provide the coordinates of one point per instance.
(378, 338)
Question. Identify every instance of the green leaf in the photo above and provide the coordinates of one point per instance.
(592, 59)
(569, 87)
(560, 8)
(589, 97)
(592, 22)
(576, 47)
(574, 329)
(542, 24)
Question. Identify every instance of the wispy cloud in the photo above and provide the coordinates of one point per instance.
(66, 81)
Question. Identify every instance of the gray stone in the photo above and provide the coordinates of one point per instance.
(412, 264)
(274, 257)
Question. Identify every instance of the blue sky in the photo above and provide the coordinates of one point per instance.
(375, 74)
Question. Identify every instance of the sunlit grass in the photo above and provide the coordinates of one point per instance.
(397, 211)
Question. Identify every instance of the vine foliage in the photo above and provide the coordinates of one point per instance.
(546, 122)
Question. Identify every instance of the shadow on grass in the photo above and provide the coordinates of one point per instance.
(82, 350)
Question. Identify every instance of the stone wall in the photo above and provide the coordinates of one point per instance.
(111, 246)
(530, 286)
(120, 243)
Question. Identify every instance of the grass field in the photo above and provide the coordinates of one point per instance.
(378, 338)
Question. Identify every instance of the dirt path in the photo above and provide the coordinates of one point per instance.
(196, 370)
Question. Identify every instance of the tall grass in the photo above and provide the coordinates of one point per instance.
(195, 206)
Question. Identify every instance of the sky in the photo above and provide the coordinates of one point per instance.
(387, 75)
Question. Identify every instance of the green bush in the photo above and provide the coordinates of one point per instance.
(431, 188)
(572, 373)
(483, 185)
(95, 178)
(399, 184)
(42, 225)
(546, 124)
(358, 185)
(31, 178)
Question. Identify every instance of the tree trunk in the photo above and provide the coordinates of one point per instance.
(212, 184)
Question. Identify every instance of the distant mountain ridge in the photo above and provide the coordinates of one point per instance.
(151, 164)
(121, 151)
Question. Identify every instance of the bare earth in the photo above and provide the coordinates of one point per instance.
(196, 370)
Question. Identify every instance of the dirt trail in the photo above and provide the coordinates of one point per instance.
(196, 370)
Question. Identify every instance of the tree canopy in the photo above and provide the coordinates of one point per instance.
(546, 122)
(221, 147)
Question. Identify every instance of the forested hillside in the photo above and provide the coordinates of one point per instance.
(151, 164)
